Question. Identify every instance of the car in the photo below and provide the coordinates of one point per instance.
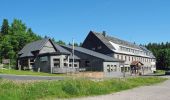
(167, 72)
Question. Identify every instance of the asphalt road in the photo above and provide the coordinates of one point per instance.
(159, 91)
(29, 77)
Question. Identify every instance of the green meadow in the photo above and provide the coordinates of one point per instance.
(69, 88)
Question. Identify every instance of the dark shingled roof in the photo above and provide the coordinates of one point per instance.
(33, 46)
(37, 45)
(93, 53)
(106, 39)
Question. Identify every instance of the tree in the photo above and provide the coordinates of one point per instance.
(13, 40)
(60, 42)
(6, 48)
(163, 59)
(5, 27)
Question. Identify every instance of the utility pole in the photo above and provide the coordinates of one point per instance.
(73, 52)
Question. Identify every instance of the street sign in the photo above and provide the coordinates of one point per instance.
(6, 61)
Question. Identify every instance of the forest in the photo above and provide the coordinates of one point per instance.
(14, 36)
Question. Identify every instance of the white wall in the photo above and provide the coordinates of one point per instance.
(48, 47)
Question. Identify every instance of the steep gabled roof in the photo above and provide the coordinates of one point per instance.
(103, 39)
(106, 40)
(33, 46)
(92, 53)
(37, 46)
(134, 63)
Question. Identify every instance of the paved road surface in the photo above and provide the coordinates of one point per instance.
(28, 77)
(156, 92)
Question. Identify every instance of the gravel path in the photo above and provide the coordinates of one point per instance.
(156, 92)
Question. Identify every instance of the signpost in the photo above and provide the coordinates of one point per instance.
(6, 61)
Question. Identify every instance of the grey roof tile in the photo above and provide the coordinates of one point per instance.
(37, 45)
(106, 39)
(93, 53)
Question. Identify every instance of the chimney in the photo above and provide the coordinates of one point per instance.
(104, 33)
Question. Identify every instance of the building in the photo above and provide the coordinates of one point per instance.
(99, 52)
(120, 49)
(46, 56)
(94, 61)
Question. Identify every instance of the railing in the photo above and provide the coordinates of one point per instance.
(65, 70)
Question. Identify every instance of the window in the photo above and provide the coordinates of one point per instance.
(70, 65)
(111, 68)
(117, 56)
(115, 68)
(56, 65)
(56, 62)
(121, 57)
(75, 65)
(108, 68)
(129, 58)
(87, 63)
(65, 64)
(125, 58)
(43, 59)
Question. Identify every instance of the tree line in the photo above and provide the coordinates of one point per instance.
(162, 53)
(14, 36)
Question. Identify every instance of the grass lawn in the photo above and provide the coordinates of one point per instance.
(160, 72)
(18, 72)
(12, 90)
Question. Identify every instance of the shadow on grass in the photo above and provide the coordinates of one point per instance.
(155, 75)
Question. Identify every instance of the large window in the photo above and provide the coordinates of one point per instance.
(56, 62)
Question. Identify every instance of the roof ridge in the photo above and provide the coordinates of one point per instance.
(122, 42)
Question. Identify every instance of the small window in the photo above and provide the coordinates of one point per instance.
(75, 65)
(117, 56)
(65, 64)
(121, 57)
(111, 68)
(87, 63)
(70, 65)
(115, 67)
(56, 65)
(108, 68)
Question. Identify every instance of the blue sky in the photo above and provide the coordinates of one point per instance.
(140, 21)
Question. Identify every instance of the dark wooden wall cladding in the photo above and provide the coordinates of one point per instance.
(92, 42)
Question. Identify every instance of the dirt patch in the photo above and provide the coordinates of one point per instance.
(88, 74)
